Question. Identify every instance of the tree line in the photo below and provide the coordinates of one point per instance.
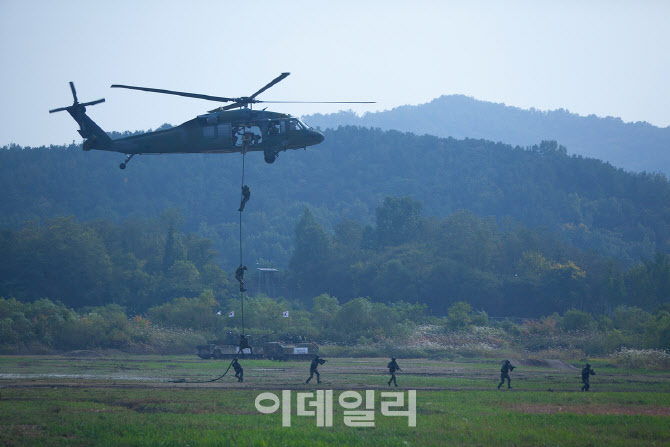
(502, 268)
(586, 202)
(148, 287)
(135, 264)
(358, 327)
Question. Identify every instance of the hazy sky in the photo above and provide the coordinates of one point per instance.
(608, 58)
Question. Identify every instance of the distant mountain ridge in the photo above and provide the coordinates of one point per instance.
(635, 147)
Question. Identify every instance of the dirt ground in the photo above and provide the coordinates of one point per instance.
(547, 363)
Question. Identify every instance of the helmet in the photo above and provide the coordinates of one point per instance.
(588, 365)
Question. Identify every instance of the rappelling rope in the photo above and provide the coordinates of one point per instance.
(206, 381)
(244, 153)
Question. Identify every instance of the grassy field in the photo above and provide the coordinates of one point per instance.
(129, 400)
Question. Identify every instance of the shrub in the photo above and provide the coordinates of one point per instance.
(575, 320)
(642, 358)
(460, 315)
(632, 319)
(194, 313)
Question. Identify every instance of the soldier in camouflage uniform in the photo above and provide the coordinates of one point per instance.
(504, 374)
(246, 195)
(393, 367)
(239, 276)
(587, 372)
(316, 361)
(239, 372)
(244, 344)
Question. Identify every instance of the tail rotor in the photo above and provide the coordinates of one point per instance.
(76, 105)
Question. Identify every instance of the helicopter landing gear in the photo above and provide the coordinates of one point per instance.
(125, 162)
(271, 155)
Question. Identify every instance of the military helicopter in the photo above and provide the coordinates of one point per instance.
(221, 130)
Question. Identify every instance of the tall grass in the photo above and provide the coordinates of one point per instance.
(642, 358)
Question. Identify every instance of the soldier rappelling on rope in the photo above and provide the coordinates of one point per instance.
(246, 194)
(244, 344)
(239, 372)
(247, 140)
(239, 276)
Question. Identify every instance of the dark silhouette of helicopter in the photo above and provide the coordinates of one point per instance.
(222, 130)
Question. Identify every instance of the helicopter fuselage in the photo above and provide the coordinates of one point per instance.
(220, 132)
(235, 127)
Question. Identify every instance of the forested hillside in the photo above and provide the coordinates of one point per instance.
(135, 265)
(403, 256)
(506, 270)
(588, 203)
(633, 146)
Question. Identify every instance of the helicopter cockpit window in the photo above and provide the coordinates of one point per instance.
(304, 126)
(295, 124)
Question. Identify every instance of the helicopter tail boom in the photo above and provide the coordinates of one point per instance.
(96, 138)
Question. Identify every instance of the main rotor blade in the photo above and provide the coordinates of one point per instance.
(171, 92)
(273, 82)
(74, 92)
(60, 109)
(92, 103)
(320, 102)
(228, 107)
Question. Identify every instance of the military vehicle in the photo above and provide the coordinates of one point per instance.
(290, 351)
(228, 348)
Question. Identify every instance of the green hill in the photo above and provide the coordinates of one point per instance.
(590, 204)
(392, 216)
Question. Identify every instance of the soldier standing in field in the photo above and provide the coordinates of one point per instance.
(504, 374)
(316, 361)
(587, 372)
(393, 367)
(239, 372)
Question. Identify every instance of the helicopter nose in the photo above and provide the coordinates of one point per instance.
(317, 136)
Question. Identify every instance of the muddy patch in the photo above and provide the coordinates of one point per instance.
(78, 376)
(84, 353)
(547, 363)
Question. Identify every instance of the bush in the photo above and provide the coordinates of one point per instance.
(657, 331)
(193, 313)
(460, 315)
(575, 320)
(642, 358)
(631, 319)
